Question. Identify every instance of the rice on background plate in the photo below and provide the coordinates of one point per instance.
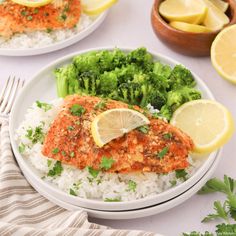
(106, 186)
(38, 39)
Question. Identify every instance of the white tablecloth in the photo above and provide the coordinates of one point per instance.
(128, 25)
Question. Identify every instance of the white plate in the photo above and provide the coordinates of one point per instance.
(58, 45)
(43, 87)
(132, 214)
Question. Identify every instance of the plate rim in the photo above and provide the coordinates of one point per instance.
(13, 52)
(114, 205)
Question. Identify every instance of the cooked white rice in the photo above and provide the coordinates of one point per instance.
(39, 39)
(105, 185)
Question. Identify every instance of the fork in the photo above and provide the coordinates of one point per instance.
(8, 95)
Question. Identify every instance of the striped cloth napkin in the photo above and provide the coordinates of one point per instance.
(24, 212)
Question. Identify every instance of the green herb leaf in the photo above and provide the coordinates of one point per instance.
(100, 105)
(55, 150)
(35, 135)
(48, 30)
(29, 18)
(144, 129)
(49, 162)
(226, 230)
(173, 182)
(77, 110)
(63, 153)
(118, 199)
(132, 185)
(167, 136)
(163, 152)
(44, 106)
(232, 212)
(56, 170)
(181, 174)
(72, 154)
(70, 128)
(93, 172)
(72, 192)
(106, 163)
(21, 147)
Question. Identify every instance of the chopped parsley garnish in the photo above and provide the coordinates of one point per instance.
(180, 174)
(163, 152)
(63, 17)
(55, 151)
(106, 163)
(77, 110)
(72, 154)
(36, 10)
(77, 122)
(173, 182)
(29, 18)
(44, 106)
(118, 199)
(48, 30)
(36, 135)
(24, 13)
(100, 105)
(56, 170)
(93, 172)
(63, 153)
(72, 192)
(144, 129)
(49, 163)
(132, 185)
(21, 148)
(167, 136)
(70, 128)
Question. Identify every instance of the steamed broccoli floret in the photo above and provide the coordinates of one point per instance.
(156, 99)
(108, 82)
(89, 83)
(87, 62)
(66, 79)
(180, 76)
(130, 93)
(178, 97)
(141, 58)
(161, 70)
(109, 60)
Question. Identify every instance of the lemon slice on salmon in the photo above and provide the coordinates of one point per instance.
(114, 123)
(207, 122)
(32, 3)
(95, 7)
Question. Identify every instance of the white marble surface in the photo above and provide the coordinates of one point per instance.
(128, 25)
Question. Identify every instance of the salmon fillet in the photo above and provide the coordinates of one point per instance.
(136, 151)
(15, 18)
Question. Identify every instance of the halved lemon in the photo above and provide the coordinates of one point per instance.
(95, 7)
(190, 11)
(32, 3)
(189, 27)
(114, 123)
(222, 5)
(207, 122)
(223, 53)
(215, 19)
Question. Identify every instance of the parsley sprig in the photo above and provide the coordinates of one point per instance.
(225, 211)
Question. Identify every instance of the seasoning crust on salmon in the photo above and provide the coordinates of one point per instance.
(70, 135)
(15, 18)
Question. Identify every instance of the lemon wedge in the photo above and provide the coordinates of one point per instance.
(222, 5)
(114, 123)
(207, 122)
(32, 3)
(95, 7)
(189, 11)
(192, 28)
(223, 53)
(215, 19)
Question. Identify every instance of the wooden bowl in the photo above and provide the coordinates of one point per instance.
(192, 44)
